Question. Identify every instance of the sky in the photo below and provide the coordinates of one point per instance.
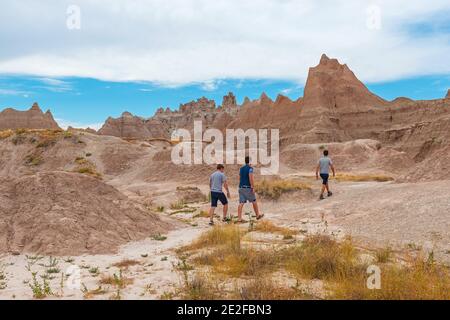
(87, 60)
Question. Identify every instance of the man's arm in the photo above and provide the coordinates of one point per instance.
(317, 171)
(332, 169)
(225, 185)
(252, 180)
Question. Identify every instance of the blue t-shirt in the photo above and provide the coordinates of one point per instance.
(244, 176)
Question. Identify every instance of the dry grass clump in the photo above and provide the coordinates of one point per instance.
(265, 289)
(273, 189)
(229, 256)
(228, 235)
(89, 171)
(337, 264)
(268, 227)
(418, 280)
(178, 205)
(126, 263)
(383, 255)
(6, 134)
(200, 287)
(33, 160)
(81, 160)
(363, 178)
(321, 257)
(117, 280)
(242, 262)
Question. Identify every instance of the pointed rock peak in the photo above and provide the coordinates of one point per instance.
(35, 107)
(448, 94)
(281, 98)
(246, 100)
(264, 97)
(229, 100)
(126, 114)
(324, 59)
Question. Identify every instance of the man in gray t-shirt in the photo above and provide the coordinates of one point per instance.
(323, 167)
(216, 181)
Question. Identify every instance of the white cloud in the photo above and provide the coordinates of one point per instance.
(55, 85)
(13, 92)
(211, 85)
(197, 41)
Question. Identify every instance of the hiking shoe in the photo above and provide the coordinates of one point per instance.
(241, 221)
(321, 197)
(211, 223)
(260, 217)
(330, 194)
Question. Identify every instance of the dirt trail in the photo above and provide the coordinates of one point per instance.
(402, 215)
(152, 277)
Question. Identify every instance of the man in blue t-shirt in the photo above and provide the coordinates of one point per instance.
(247, 190)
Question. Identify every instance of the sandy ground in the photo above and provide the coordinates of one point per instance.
(152, 277)
(405, 216)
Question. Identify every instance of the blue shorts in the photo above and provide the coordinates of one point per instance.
(246, 194)
(325, 177)
(218, 196)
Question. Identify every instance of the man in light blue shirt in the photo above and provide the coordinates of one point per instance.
(323, 167)
(216, 181)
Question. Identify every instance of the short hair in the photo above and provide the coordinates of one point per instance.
(325, 153)
(220, 167)
(247, 160)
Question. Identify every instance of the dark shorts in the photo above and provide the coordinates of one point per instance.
(218, 196)
(325, 178)
(246, 194)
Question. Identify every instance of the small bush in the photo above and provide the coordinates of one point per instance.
(363, 178)
(268, 227)
(321, 257)
(89, 171)
(273, 189)
(383, 255)
(33, 160)
(6, 134)
(266, 289)
(159, 237)
(226, 235)
(117, 280)
(200, 287)
(126, 263)
(418, 280)
(178, 205)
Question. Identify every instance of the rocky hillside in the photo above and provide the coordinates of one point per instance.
(33, 118)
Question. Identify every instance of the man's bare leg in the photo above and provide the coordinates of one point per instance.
(241, 205)
(323, 189)
(211, 214)
(256, 208)
(225, 211)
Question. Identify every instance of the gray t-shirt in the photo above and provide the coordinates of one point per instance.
(216, 181)
(325, 164)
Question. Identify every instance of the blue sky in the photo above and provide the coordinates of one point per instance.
(87, 60)
(83, 102)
